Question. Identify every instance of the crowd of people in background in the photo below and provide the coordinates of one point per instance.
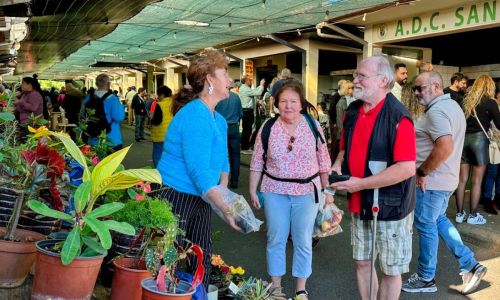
(433, 140)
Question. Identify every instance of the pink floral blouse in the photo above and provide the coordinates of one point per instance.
(301, 162)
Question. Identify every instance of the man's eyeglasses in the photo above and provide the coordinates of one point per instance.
(362, 77)
(419, 87)
(290, 144)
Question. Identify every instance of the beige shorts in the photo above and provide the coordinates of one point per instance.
(393, 243)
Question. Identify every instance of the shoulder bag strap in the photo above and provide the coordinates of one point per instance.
(475, 115)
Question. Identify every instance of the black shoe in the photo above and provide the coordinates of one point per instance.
(497, 201)
(138, 140)
(488, 207)
(415, 284)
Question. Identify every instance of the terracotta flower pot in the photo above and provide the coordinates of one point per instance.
(149, 291)
(53, 280)
(16, 258)
(127, 278)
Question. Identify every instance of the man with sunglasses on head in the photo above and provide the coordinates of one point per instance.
(440, 138)
(378, 128)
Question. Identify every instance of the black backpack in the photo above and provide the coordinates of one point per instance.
(97, 122)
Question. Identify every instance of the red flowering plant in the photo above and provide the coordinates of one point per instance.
(36, 170)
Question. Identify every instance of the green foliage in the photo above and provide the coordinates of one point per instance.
(257, 289)
(88, 220)
(47, 84)
(149, 213)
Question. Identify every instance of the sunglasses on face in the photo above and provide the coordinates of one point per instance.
(290, 144)
(419, 87)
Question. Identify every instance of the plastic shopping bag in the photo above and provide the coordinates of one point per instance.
(238, 208)
(327, 221)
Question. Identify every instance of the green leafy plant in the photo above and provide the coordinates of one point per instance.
(90, 234)
(148, 213)
(257, 289)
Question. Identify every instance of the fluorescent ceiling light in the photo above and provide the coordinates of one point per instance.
(107, 54)
(191, 23)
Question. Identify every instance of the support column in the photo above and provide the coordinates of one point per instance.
(310, 76)
(138, 79)
(171, 80)
(124, 85)
(150, 77)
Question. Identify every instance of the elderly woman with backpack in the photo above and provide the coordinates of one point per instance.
(291, 157)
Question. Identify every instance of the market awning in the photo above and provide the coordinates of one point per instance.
(66, 37)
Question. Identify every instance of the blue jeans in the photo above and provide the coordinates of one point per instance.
(431, 220)
(491, 177)
(233, 143)
(157, 151)
(139, 126)
(285, 214)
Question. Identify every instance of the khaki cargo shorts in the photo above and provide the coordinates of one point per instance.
(393, 243)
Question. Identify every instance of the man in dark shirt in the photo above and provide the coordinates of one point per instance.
(139, 107)
(458, 81)
(232, 111)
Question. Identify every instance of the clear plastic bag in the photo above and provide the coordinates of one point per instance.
(238, 207)
(327, 221)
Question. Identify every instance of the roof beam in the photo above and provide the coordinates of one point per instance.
(343, 32)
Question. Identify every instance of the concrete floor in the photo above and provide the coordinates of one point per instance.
(333, 268)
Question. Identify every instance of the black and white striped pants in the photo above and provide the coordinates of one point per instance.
(195, 219)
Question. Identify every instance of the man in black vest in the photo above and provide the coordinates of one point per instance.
(377, 127)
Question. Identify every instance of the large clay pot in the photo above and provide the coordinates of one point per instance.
(127, 278)
(149, 291)
(16, 258)
(121, 246)
(53, 280)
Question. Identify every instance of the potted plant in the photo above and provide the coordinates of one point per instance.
(152, 218)
(68, 269)
(162, 260)
(25, 169)
(257, 289)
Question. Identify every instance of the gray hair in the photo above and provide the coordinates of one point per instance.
(384, 68)
(101, 81)
(286, 73)
(433, 77)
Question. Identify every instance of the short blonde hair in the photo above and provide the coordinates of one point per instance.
(344, 87)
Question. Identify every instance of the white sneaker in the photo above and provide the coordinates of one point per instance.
(460, 217)
(477, 220)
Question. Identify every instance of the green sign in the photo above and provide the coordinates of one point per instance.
(452, 19)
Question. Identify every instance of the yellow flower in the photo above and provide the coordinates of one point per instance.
(40, 131)
(237, 271)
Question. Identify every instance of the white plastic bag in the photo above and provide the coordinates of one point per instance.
(327, 221)
(238, 208)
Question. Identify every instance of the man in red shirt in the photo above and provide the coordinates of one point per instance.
(377, 127)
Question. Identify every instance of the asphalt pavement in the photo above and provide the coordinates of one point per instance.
(333, 268)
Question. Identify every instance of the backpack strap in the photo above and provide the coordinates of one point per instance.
(264, 136)
(312, 124)
(106, 95)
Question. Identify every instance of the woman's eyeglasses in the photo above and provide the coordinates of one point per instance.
(290, 144)
(419, 87)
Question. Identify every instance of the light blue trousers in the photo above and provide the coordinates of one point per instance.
(285, 214)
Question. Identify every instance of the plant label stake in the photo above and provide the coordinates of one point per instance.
(375, 167)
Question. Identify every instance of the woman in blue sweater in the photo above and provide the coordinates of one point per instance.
(195, 157)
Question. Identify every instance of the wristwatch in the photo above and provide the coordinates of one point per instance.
(421, 173)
